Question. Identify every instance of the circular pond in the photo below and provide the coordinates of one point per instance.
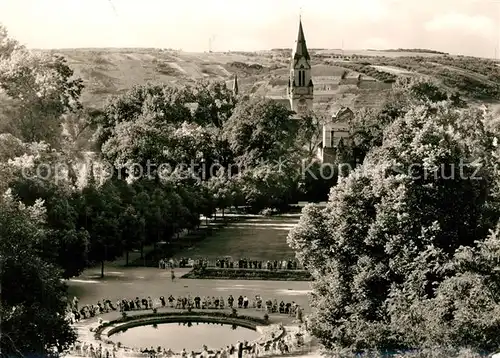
(189, 336)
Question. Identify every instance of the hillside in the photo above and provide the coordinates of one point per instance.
(352, 78)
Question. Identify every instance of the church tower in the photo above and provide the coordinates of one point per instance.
(300, 85)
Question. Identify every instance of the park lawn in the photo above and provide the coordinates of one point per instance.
(254, 237)
(130, 282)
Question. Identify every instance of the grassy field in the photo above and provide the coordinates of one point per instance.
(256, 237)
(259, 238)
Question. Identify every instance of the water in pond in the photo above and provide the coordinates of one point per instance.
(178, 336)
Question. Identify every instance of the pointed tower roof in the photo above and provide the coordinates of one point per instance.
(235, 84)
(301, 47)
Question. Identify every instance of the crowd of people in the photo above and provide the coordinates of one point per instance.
(85, 349)
(240, 350)
(229, 263)
(77, 313)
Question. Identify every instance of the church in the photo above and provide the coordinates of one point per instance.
(300, 98)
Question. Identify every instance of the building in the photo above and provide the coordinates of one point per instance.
(300, 97)
(335, 135)
(300, 89)
(300, 94)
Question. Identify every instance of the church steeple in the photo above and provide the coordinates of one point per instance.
(300, 85)
(235, 85)
(301, 46)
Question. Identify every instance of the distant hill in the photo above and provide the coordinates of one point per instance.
(416, 50)
(350, 78)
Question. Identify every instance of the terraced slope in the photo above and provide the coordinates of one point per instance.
(108, 72)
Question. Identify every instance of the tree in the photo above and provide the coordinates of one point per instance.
(36, 171)
(368, 125)
(310, 133)
(99, 213)
(142, 202)
(221, 188)
(316, 180)
(10, 147)
(155, 124)
(7, 44)
(260, 129)
(383, 253)
(33, 295)
(66, 246)
(132, 225)
(420, 89)
(268, 186)
(41, 88)
(214, 102)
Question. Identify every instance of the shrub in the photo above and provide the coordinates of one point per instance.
(267, 212)
(236, 274)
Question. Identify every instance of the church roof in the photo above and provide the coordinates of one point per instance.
(301, 47)
(341, 111)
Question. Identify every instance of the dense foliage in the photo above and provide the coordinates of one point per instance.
(165, 157)
(405, 256)
(33, 296)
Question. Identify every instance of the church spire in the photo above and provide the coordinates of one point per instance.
(301, 47)
(300, 88)
(235, 85)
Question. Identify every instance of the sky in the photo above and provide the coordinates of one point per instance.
(468, 27)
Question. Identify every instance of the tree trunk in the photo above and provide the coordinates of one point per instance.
(102, 268)
(126, 257)
(223, 213)
(142, 249)
(155, 255)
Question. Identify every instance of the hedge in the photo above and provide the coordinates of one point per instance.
(246, 274)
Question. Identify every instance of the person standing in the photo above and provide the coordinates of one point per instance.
(205, 353)
(240, 350)
(172, 274)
